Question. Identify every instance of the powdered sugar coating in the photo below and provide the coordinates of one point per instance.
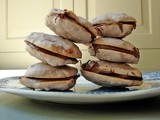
(64, 23)
(119, 68)
(80, 20)
(53, 39)
(113, 17)
(55, 10)
(43, 70)
(55, 44)
(115, 42)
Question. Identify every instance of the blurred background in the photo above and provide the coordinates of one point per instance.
(18, 18)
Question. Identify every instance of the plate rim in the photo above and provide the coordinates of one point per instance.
(130, 95)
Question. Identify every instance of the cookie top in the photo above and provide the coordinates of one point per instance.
(54, 44)
(115, 43)
(79, 20)
(104, 67)
(68, 25)
(112, 18)
(43, 70)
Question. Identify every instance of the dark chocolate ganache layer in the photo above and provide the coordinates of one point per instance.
(135, 51)
(55, 79)
(94, 68)
(49, 52)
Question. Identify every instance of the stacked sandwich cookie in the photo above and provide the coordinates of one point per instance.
(42, 76)
(116, 25)
(56, 52)
(52, 73)
(114, 54)
(67, 25)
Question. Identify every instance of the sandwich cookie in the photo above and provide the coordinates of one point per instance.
(52, 49)
(114, 50)
(66, 24)
(117, 25)
(42, 76)
(109, 74)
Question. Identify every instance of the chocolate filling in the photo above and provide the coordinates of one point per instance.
(55, 79)
(122, 76)
(94, 68)
(120, 24)
(65, 15)
(135, 52)
(49, 52)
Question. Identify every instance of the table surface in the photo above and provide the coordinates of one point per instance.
(14, 107)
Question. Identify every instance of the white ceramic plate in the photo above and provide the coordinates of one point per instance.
(87, 93)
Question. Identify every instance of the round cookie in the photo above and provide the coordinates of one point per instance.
(45, 77)
(114, 50)
(109, 74)
(52, 49)
(66, 24)
(117, 25)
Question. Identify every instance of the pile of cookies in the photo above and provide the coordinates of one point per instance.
(56, 52)
(112, 70)
(104, 38)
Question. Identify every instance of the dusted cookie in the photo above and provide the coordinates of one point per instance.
(114, 50)
(66, 24)
(117, 25)
(45, 77)
(109, 74)
(51, 49)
